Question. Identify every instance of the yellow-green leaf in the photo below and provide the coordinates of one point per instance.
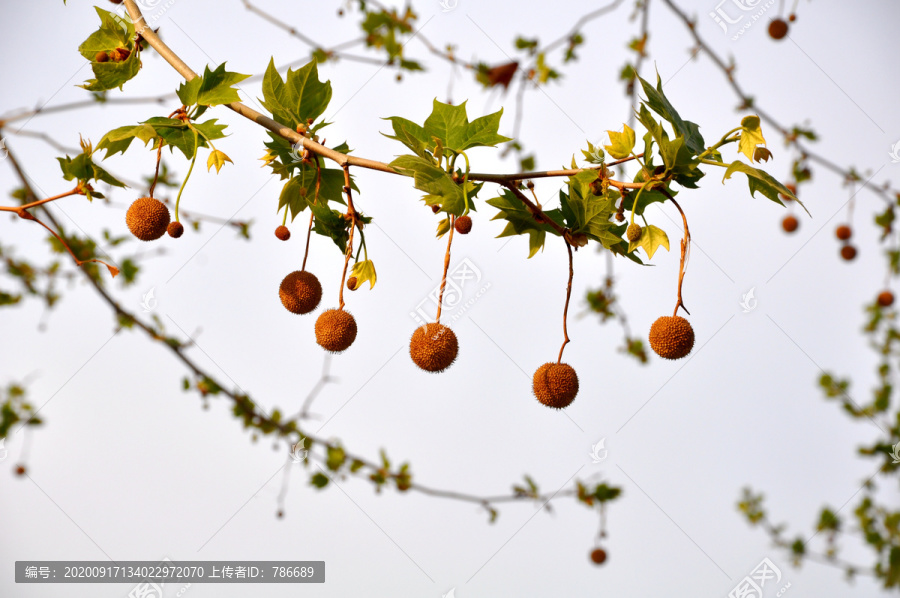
(217, 159)
(364, 271)
(751, 136)
(621, 144)
(652, 238)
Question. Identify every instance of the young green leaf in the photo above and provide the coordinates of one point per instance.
(299, 98)
(440, 189)
(760, 180)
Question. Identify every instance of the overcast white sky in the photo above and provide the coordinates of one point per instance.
(129, 467)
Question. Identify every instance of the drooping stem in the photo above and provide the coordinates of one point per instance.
(308, 235)
(188, 176)
(25, 215)
(437, 318)
(566, 308)
(156, 173)
(351, 212)
(685, 252)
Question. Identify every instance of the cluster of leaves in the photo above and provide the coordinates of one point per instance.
(115, 35)
(14, 408)
(213, 88)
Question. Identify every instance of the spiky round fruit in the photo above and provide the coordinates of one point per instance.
(790, 224)
(433, 347)
(778, 28)
(20, 470)
(463, 225)
(792, 17)
(101, 56)
(555, 384)
(885, 298)
(848, 252)
(175, 229)
(335, 330)
(300, 292)
(598, 556)
(147, 218)
(352, 283)
(843, 232)
(283, 233)
(633, 232)
(671, 337)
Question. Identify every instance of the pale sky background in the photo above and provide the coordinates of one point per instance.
(131, 467)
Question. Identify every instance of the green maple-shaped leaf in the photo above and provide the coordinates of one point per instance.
(300, 191)
(297, 99)
(621, 144)
(587, 213)
(448, 128)
(440, 189)
(213, 88)
(519, 221)
(762, 181)
(118, 140)
(659, 103)
(82, 168)
(751, 137)
(364, 271)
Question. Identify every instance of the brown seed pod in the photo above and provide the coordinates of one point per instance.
(433, 347)
(671, 337)
(147, 218)
(555, 384)
(843, 232)
(351, 283)
(885, 298)
(300, 292)
(335, 330)
(790, 224)
(848, 252)
(435, 209)
(598, 556)
(463, 225)
(283, 233)
(633, 232)
(778, 29)
(101, 57)
(175, 229)
(20, 470)
(620, 216)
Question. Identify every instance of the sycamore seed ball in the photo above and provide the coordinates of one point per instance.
(175, 229)
(598, 556)
(790, 224)
(352, 283)
(147, 218)
(885, 299)
(335, 330)
(283, 233)
(555, 385)
(433, 347)
(463, 225)
(671, 337)
(300, 292)
(778, 29)
(633, 232)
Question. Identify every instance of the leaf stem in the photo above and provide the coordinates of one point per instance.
(188, 176)
(440, 307)
(566, 308)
